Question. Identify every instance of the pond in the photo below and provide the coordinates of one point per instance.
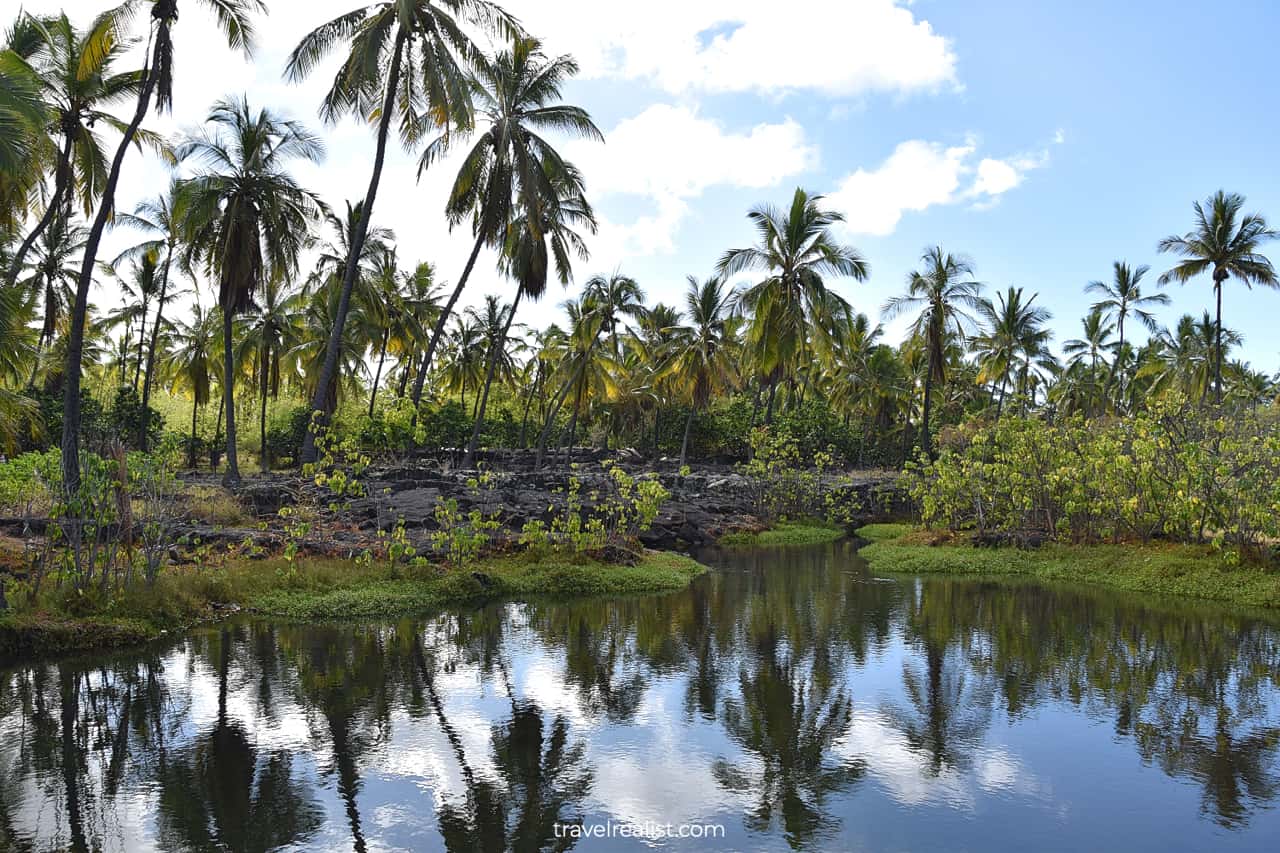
(789, 699)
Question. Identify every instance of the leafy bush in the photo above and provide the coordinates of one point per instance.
(1174, 472)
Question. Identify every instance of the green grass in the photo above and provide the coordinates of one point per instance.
(1165, 569)
(326, 589)
(788, 533)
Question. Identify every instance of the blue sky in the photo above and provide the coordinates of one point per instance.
(1044, 140)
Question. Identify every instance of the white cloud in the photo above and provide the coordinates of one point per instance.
(839, 49)
(919, 175)
(669, 155)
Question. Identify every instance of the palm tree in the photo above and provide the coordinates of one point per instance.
(233, 20)
(702, 362)
(53, 273)
(511, 171)
(17, 348)
(403, 61)
(144, 283)
(247, 217)
(191, 362)
(269, 331)
(24, 118)
(1183, 359)
(944, 293)
(1015, 337)
(159, 217)
(77, 80)
(797, 251)
(1096, 340)
(605, 301)
(531, 248)
(386, 307)
(410, 328)
(1123, 296)
(1226, 242)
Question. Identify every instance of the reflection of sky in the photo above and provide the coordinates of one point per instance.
(1056, 777)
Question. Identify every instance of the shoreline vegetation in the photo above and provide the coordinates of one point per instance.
(1181, 570)
(805, 532)
(317, 588)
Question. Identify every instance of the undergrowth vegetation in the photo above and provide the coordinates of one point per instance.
(1173, 472)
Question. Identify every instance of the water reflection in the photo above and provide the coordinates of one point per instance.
(790, 697)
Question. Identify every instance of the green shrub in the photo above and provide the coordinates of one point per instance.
(1174, 471)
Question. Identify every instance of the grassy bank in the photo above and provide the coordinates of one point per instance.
(787, 533)
(326, 589)
(1186, 570)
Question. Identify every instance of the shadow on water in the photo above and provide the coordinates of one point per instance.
(790, 697)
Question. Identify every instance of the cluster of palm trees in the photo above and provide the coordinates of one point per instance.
(356, 326)
(240, 219)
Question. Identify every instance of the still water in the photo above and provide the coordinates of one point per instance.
(787, 700)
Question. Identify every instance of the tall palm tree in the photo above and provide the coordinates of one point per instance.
(233, 20)
(531, 249)
(406, 60)
(702, 362)
(511, 170)
(944, 293)
(1014, 337)
(159, 218)
(78, 82)
(1226, 242)
(247, 216)
(191, 362)
(792, 306)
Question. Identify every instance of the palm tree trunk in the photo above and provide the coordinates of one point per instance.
(320, 402)
(231, 478)
(657, 430)
(438, 332)
(75, 342)
(406, 367)
(151, 352)
(495, 351)
(768, 411)
(191, 451)
(528, 405)
(926, 441)
(62, 177)
(217, 431)
(552, 411)
(1217, 346)
(142, 339)
(684, 445)
(573, 425)
(264, 462)
(377, 376)
(1000, 402)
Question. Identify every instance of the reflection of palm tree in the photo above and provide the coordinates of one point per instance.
(951, 701)
(791, 724)
(949, 716)
(222, 794)
(1233, 767)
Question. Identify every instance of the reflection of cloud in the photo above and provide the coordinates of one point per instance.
(904, 773)
(655, 775)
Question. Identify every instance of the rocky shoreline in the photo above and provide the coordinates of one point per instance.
(704, 504)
